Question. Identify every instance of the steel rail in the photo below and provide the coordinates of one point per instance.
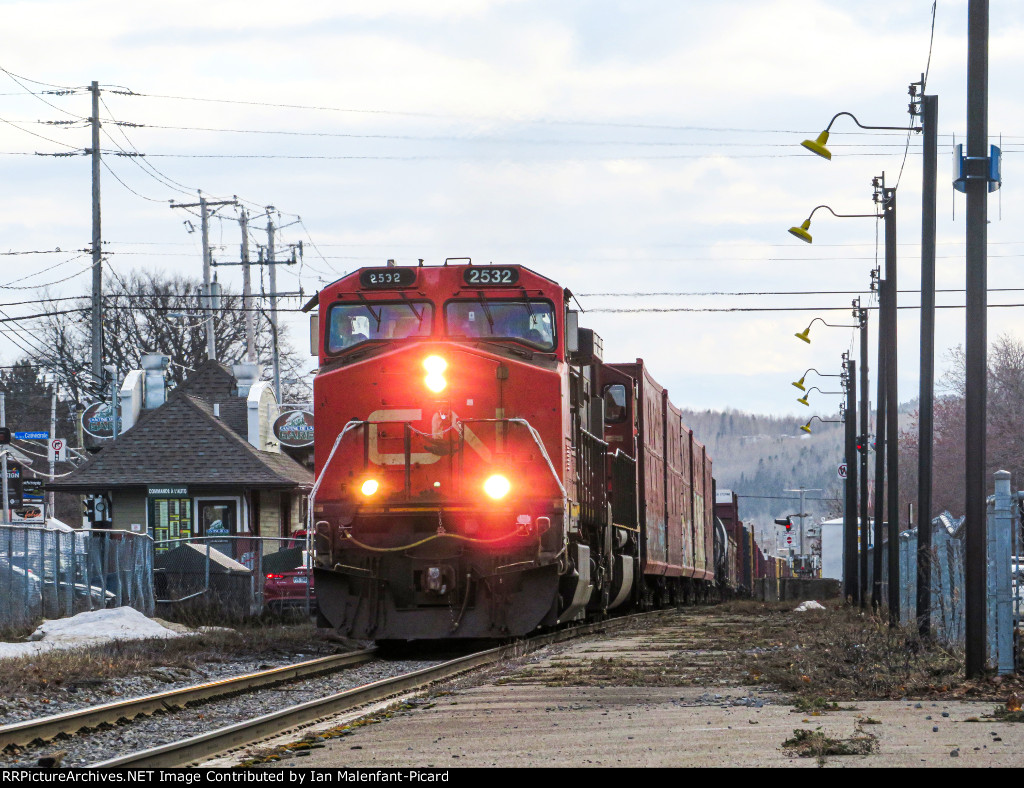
(191, 750)
(47, 728)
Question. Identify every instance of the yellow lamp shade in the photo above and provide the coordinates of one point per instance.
(818, 146)
(803, 401)
(801, 232)
(804, 335)
(800, 383)
(806, 427)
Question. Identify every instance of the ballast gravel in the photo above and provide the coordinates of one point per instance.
(143, 733)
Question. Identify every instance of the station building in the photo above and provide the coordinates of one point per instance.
(201, 462)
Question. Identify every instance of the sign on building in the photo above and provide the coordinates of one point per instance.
(97, 420)
(294, 428)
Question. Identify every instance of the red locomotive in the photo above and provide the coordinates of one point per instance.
(481, 472)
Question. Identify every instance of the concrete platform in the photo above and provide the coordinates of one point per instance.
(514, 718)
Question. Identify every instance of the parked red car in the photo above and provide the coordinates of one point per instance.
(285, 589)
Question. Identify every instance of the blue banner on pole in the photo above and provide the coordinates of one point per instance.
(28, 436)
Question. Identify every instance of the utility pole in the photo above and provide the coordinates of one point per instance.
(273, 302)
(53, 434)
(892, 437)
(3, 461)
(851, 586)
(204, 207)
(926, 398)
(97, 242)
(976, 645)
(865, 430)
(211, 340)
(250, 330)
(880, 422)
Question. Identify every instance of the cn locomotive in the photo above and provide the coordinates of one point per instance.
(481, 471)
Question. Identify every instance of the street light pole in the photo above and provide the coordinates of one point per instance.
(865, 429)
(892, 405)
(880, 421)
(977, 336)
(926, 411)
(851, 586)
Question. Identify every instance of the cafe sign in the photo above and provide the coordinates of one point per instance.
(97, 420)
(294, 428)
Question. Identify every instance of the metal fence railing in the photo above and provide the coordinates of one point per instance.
(1005, 575)
(51, 573)
(239, 576)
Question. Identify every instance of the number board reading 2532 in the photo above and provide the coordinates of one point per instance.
(490, 275)
(387, 277)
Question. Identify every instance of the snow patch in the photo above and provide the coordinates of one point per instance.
(808, 605)
(92, 628)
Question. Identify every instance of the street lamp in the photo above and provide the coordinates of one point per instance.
(818, 145)
(807, 427)
(803, 399)
(805, 334)
(800, 383)
(801, 231)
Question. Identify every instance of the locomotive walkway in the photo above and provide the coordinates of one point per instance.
(685, 690)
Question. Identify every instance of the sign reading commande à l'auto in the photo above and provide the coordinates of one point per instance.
(98, 420)
(294, 428)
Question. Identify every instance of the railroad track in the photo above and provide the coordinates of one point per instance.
(70, 723)
(191, 750)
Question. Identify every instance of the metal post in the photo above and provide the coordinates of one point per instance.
(926, 411)
(1001, 605)
(851, 586)
(3, 462)
(892, 438)
(865, 430)
(53, 434)
(250, 324)
(977, 335)
(97, 242)
(272, 269)
(880, 409)
(211, 340)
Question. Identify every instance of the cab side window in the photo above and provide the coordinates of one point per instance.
(614, 403)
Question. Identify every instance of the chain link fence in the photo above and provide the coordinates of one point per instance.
(54, 573)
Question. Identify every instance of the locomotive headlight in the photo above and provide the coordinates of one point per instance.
(497, 486)
(435, 367)
(370, 487)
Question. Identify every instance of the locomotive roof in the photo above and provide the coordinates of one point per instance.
(533, 279)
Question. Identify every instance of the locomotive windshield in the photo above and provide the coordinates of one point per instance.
(353, 324)
(529, 322)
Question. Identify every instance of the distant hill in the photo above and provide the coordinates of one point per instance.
(760, 457)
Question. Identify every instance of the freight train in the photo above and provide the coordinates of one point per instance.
(482, 471)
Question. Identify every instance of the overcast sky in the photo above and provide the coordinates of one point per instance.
(616, 147)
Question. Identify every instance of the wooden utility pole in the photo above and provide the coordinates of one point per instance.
(250, 320)
(204, 207)
(97, 241)
(273, 302)
(976, 347)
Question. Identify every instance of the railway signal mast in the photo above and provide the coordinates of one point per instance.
(803, 567)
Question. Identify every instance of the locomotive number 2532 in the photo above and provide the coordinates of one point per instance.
(490, 276)
(387, 277)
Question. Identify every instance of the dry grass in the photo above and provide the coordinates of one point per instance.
(96, 664)
(815, 744)
(844, 653)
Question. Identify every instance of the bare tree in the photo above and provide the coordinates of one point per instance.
(1004, 431)
(148, 312)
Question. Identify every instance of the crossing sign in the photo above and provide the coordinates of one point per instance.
(841, 471)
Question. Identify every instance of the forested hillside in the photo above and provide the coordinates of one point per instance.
(763, 456)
